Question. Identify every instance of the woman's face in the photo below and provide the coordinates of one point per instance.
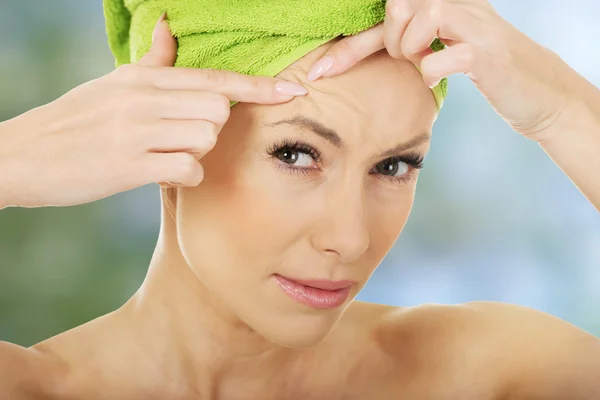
(279, 199)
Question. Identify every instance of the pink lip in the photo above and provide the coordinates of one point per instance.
(322, 294)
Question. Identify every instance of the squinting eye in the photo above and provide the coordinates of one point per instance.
(295, 158)
(392, 168)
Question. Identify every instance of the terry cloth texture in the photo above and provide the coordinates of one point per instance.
(253, 37)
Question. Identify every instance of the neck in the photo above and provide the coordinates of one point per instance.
(184, 327)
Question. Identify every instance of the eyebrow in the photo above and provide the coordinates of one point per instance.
(334, 138)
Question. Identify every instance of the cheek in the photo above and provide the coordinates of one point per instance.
(243, 215)
(389, 214)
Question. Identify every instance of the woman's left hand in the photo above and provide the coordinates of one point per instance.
(527, 84)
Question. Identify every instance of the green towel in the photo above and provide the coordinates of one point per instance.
(253, 37)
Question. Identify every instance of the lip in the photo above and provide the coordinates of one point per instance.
(316, 293)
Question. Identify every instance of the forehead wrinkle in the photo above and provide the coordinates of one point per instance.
(364, 120)
(332, 87)
(355, 126)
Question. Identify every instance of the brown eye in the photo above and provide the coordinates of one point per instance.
(295, 157)
(391, 167)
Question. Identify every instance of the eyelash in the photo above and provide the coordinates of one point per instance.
(414, 160)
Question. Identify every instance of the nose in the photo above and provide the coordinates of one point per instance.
(342, 230)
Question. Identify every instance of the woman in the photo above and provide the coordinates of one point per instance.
(226, 313)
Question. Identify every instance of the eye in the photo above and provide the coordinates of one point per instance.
(298, 157)
(398, 168)
(294, 154)
(295, 158)
(391, 167)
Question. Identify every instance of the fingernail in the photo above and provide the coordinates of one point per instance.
(160, 19)
(431, 86)
(287, 88)
(320, 67)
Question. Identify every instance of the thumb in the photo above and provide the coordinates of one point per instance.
(347, 52)
(164, 46)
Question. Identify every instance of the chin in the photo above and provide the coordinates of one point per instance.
(300, 330)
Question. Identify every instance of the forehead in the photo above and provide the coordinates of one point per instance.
(380, 94)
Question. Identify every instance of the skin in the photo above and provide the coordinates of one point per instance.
(209, 320)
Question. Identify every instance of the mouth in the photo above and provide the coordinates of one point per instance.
(316, 293)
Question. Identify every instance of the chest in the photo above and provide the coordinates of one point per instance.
(375, 377)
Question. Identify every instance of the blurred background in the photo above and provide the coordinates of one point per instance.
(494, 218)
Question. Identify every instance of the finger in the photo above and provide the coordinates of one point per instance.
(459, 58)
(235, 86)
(452, 24)
(348, 52)
(164, 46)
(172, 167)
(420, 32)
(398, 14)
(194, 137)
(184, 105)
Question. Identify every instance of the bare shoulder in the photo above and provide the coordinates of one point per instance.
(549, 358)
(505, 323)
(44, 370)
(25, 373)
(516, 351)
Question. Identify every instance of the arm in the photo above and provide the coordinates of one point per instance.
(21, 375)
(489, 350)
(539, 356)
(575, 145)
(528, 85)
(7, 129)
(124, 130)
(563, 368)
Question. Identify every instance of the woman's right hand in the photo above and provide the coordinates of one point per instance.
(142, 123)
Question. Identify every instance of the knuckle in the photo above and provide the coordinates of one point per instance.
(392, 47)
(348, 48)
(206, 144)
(188, 166)
(205, 137)
(190, 170)
(210, 138)
(130, 73)
(220, 108)
(344, 46)
(261, 85)
(468, 55)
(405, 46)
(212, 76)
(435, 10)
(397, 10)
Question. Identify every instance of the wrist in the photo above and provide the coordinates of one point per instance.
(580, 116)
(573, 146)
(5, 131)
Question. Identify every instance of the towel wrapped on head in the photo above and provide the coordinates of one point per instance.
(253, 37)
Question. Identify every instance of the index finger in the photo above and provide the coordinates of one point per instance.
(234, 85)
(349, 51)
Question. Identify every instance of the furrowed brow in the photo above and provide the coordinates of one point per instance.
(334, 138)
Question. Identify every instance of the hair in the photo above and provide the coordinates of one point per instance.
(169, 195)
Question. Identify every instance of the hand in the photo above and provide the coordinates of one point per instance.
(528, 85)
(142, 123)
